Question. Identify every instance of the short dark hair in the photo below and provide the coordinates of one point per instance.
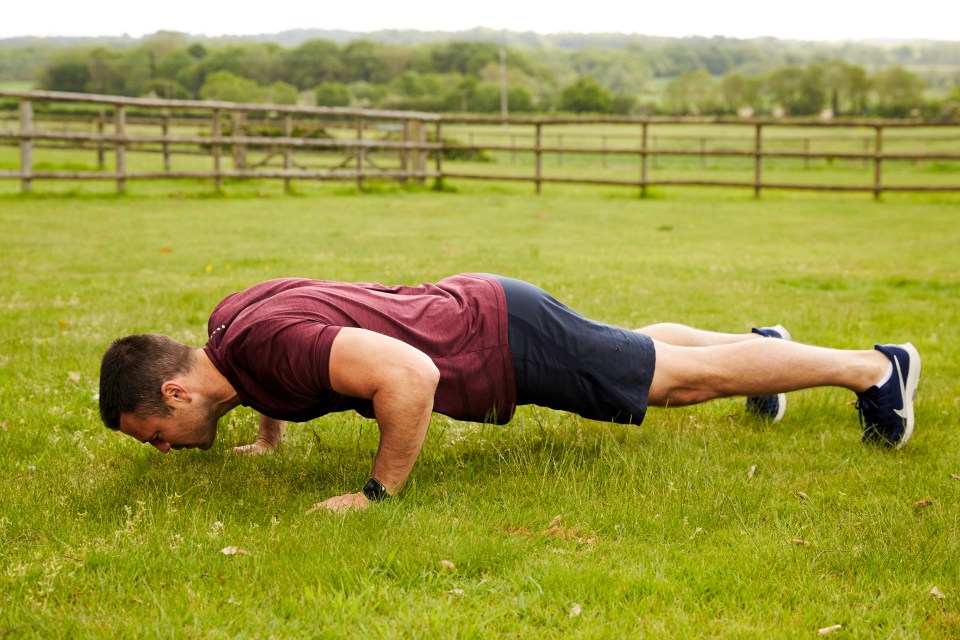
(133, 370)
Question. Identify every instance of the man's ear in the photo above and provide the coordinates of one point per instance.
(174, 392)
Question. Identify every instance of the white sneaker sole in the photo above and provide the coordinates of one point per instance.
(909, 391)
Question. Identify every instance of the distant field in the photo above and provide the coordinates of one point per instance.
(701, 522)
(16, 85)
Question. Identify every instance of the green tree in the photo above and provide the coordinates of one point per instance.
(197, 51)
(695, 93)
(461, 98)
(486, 99)
(262, 62)
(366, 94)
(586, 95)
(410, 84)
(465, 58)
(281, 92)
(68, 71)
(106, 76)
(741, 92)
(192, 77)
(224, 85)
(847, 87)
(798, 91)
(333, 94)
(313, 62)
(620, 71)
(362, 61)
(899, 92)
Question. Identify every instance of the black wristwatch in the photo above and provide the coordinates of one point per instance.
(375, 491)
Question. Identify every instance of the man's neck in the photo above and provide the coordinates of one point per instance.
(215, 385)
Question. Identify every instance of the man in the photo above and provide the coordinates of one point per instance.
(473, 347)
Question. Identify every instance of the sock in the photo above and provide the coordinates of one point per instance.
(886, 376)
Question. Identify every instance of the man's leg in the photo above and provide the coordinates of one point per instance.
(885, 379)
(770, 407)
(754, 367)
(684, 336)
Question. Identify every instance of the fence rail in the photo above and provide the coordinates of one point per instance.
(362, 144)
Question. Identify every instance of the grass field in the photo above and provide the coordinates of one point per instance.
(663, 532)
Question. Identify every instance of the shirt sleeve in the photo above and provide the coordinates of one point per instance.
(291, 360)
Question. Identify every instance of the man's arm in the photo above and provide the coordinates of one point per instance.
(268, 439)
(400, 380)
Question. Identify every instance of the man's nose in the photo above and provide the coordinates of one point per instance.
(162, 447)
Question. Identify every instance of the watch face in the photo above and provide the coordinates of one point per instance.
(374, 490)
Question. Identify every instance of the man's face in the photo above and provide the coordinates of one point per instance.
(188, 427)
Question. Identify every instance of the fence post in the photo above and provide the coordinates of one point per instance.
(26, 145)
(120, 125)
(287, 151)
(439, 152)
(217, 173)
(877, 162)
(101, 125)
(405, 151)
(420, 155)
(165, 131)
(360, 154)
(643, 159)
(538, 155)
(758, 160)
(239, 131)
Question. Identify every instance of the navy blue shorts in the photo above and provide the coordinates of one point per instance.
(568, 362)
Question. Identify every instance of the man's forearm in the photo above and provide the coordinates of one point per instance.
(271, 431)
(403, 417)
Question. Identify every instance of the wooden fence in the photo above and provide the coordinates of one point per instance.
(363, 144)
(403, 133)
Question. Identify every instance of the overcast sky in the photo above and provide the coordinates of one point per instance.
(801, 20)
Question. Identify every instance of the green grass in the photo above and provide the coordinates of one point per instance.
(663, 532)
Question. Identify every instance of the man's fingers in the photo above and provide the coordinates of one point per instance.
(255, 449)
(341, 504)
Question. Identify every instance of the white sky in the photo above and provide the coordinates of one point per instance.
(799, 20)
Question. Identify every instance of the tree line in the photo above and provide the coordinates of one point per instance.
(705, 77)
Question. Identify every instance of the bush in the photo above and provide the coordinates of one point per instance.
(332, 94)
(586, 95)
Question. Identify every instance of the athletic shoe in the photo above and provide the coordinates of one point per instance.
(886, 412)
(770, 407)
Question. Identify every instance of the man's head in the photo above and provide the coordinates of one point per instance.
(149, 390)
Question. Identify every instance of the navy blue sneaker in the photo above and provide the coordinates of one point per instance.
(886, 412)
(769, 407)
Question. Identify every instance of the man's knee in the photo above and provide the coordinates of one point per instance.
(680, 378)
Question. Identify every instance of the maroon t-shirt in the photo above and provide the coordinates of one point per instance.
(272, 342)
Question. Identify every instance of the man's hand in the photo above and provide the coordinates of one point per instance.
(342, 504)
(257, 448)
(269, 438)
